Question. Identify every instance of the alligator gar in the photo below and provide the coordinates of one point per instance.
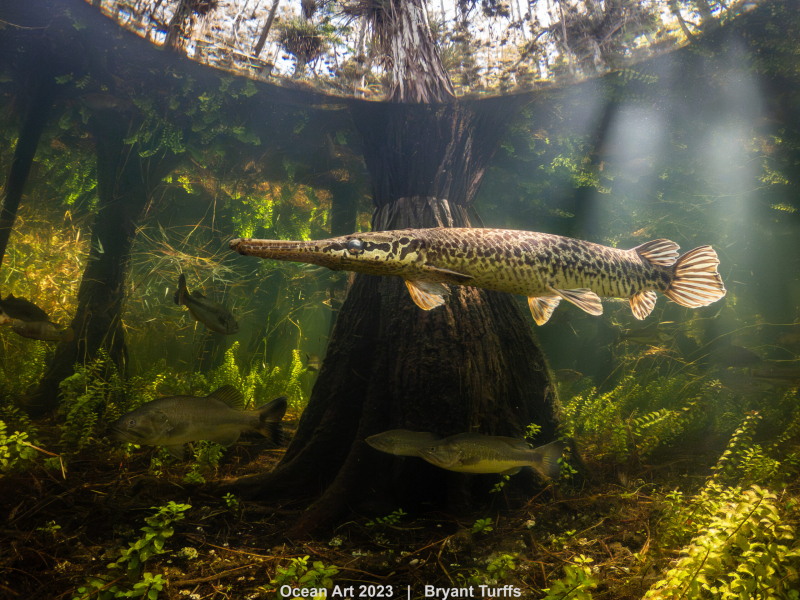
(545, 268)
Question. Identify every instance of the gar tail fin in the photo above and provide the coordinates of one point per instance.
(182, 292)
(695, 281)
(270, 416)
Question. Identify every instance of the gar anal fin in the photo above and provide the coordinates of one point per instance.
(642, 304)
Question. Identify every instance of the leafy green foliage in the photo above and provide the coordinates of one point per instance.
(742, 439)
(636, 418)
(131, 562)
(206, 456)
(15, 450)
(576, 583)
(498, 568)
(96, 395)
(257, 383)
(742, 549)
(482, 526)
(298, 575)
(387, 521)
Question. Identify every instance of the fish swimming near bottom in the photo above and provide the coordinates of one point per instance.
(402, 442)
(174, 420)
(545, 268)
(211, 314)
(42, 330)
(22, 309)
(477, 453)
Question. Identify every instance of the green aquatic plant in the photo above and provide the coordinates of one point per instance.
(160, 527)
(206, 456)
(636, 418)
(299, 575)
(258, 383)
(482, 526)
(96, 394)
(576, 583)
(742, 439)
(743, 548)
(388, 521)
(16, 451)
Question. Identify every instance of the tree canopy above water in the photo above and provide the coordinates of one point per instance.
(352, 47)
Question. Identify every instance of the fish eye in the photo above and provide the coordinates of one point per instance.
(355, 246)
(131, 422)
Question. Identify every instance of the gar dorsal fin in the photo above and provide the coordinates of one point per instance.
(229, 395)
(659, 252)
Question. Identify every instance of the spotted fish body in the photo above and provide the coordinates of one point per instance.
(545, 268)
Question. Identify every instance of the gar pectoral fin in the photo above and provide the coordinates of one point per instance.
(542, 307)
(583, 298)
(642, 304)
(427, 295)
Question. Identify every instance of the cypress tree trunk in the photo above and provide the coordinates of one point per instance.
(41, 102)
(122, 188)
(471, 365)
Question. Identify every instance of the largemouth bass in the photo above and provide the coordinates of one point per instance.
(402, 442)
(477, 453)
(211, 314)
(545, 268)
(174, 420)
(42, 330)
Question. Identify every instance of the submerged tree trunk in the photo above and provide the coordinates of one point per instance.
(122, 185)
(39, 107)
(471, 365)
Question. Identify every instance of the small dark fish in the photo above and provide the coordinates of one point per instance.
(788, 338)
(733, 356)
(568, 375)
(211, 314)
(106, 102)
(402, 442)
(649, 335)
(22, 309)
(313, 362)
(174, 420)
(476, 453)
(792, 375)
(42, 330)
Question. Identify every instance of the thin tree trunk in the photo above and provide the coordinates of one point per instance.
(265, 32)
(30, 132)
(175, 28)
(123, 194)
(418, 75)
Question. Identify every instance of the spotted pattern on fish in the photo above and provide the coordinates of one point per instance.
(537, 265)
